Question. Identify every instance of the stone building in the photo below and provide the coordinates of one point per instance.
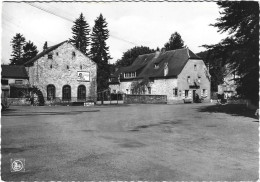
(63, 73)
(14, 81)
(179, 74)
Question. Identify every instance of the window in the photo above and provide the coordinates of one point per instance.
(199, 79)
(51, 66)
(50, 92)
(175, 92)
(57, 53)
(156, 65)
(73, 54)
(68, 67)
(195, 67)
(126, 91)
(81, 67)
(4, 82)
(49, 56)
(204, 93)
(186, 93)
(18, 82)
(188, 79)
(149, 90)
(81, 92)
(66, 93)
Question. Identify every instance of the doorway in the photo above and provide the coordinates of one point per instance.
(194, 95)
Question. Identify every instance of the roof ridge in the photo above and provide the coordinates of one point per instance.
(45, 52)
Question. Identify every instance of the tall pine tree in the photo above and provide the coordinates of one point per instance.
(80, 31)
(99, 52)
(241, 48)
(175, 42)
(30, 51)
(17, 44)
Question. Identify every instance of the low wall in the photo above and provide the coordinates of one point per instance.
(19, 101)
(145, 99)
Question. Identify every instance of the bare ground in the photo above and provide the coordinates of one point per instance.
(135, 142)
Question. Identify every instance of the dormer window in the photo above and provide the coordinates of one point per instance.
(130, 75)
(49, 56)
(156, 65)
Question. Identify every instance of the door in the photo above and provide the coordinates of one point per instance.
(194, 95)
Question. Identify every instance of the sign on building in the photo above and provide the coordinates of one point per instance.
(83, 76)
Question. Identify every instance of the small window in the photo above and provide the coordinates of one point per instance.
(195, 67)
(68, 67)
(175, 92)
(81, 67)
(51, 66)
(73, 54)
(49, 56)
(188, 79)
(18, 81)
(204, 93)
(57, 53)
(4, 82)
(199, 79)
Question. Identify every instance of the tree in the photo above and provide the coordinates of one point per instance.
(17, 44)
(80, 31)
(240, 48)
(175, 42)
(30, 51)
(45, 46)
(130, 55)
(216, 69)
(99, 52)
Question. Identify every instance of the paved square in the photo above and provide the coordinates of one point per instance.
(135, 142)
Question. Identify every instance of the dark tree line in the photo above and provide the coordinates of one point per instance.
(241, 48)
(22, 51)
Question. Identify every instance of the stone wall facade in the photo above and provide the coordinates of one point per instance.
(195, 70)
(174, 88)
(145, 99)
(62, 69)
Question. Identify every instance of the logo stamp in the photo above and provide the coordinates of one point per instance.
(18, 165)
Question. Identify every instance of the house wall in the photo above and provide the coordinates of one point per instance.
(188, 70)
(158, 87)
(6, 88)
(41, 74)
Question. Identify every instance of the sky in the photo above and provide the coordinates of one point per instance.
(130, 24)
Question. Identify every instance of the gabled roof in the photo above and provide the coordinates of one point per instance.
(14, 71)
(44, 53)
(176, 60)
